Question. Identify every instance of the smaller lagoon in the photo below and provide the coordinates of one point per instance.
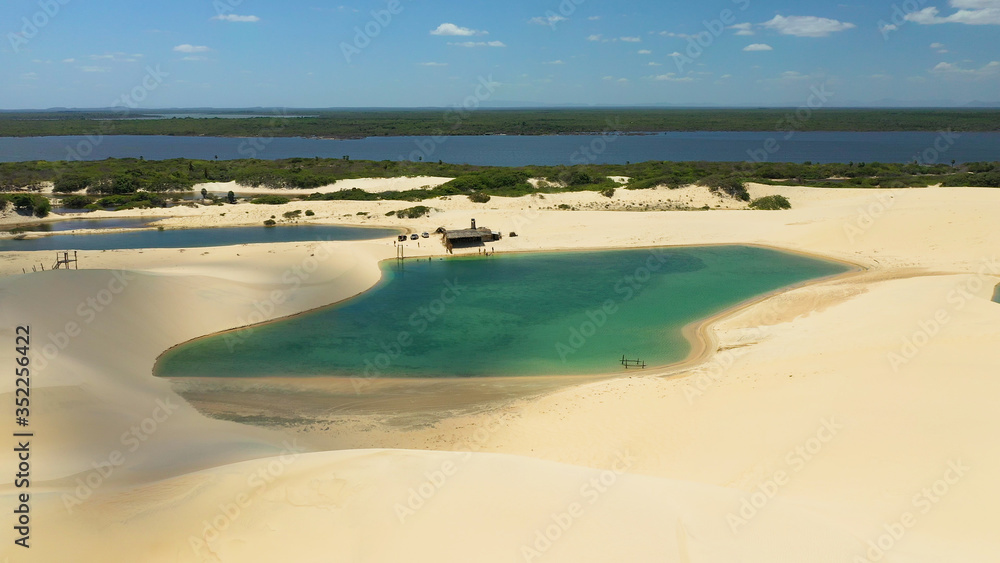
(196, 238)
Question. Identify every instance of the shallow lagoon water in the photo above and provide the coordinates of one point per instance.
(88, 224)
(506, 315)
(196, 238)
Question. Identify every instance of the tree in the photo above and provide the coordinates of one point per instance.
(204, 194)
(231, 197)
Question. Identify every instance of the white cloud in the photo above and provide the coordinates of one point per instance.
(724, 76)
(806, 26)
(452, 29)
(971, 12)
(595, 37)
(953, 70)
(743, 28)
(623, 80)
(550, 19)
(632, 39)
(555, 62)
(937, 45)
(194, 58)
(29, 76)
(479, 44)
(95, 69)
(69, 61)
(236, 19)
(433, 64)
(645, 52)
(676, 54)
(655, 64)
(758, 47)
(670, 77)
(594, 18)
(116, 57)
(185, 48)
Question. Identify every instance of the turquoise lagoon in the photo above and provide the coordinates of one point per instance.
(506, 315)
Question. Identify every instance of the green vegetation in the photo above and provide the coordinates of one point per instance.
(131, 183)
(35, 204)
(138, 200)
(771, 203)
(309, 213)
(728, 185)
(231, 197)
(364, 123)
(292, 214)
(129, 176)
(270, 223)
(270, 200)
(76, 201)
(413, 212)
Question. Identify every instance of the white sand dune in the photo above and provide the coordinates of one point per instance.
(374, 185)
(854, 410)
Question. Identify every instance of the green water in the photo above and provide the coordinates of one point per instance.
(531, 314)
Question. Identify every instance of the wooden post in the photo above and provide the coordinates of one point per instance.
(76, 261)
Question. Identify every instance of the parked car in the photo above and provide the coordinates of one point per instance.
(414, 236)
(402, 238)
(425, 234)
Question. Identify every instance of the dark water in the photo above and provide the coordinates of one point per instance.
(196, 238)
(531, 314)
(88, 224)
(501, 150)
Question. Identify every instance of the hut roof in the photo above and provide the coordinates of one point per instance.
(465, 233)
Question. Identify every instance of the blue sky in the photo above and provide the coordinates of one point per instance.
(307, 53)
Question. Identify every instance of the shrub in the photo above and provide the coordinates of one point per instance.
(270, 200)
(37, 204)
(231, 197)
(479, 197)
(292, 214)
(771, 203)
(76, 201)
(139, 200)
(413, 212)
(270, 223)
(309, 213)
(608, 192)
(733, 187)
(70, 183)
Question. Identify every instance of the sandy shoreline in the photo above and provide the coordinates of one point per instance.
(800, 393)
